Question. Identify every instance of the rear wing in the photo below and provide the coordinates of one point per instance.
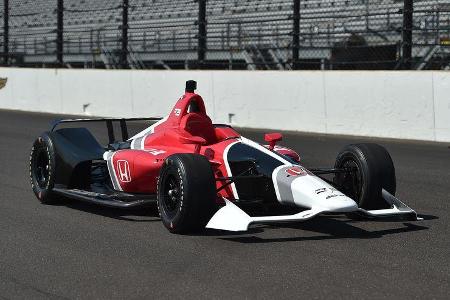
(109, 125)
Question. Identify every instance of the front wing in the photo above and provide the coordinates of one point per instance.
(232, 218)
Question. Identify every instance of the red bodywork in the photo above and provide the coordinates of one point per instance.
(183, 131)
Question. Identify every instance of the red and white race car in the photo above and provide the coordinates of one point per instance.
(207, 175)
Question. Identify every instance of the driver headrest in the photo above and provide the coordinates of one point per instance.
(198, 124)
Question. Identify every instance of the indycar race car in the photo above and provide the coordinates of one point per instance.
(202, 174)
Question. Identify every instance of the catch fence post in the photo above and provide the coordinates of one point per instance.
(59, 33)
(408, 9)
(201, 47)
(124, 51)
(296, 34)
(5, 31)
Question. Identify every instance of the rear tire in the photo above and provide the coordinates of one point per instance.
(373, 171)
(42, 169)
(186, 193)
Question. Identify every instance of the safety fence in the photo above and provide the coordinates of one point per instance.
(226, 34)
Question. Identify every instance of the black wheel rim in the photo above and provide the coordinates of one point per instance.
(172, 195)
(351, 181)
(41, 168)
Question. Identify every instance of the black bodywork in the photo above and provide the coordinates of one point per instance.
(255, 169)
(81, 171)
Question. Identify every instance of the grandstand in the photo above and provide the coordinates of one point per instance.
(245, 34)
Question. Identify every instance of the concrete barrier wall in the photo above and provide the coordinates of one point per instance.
(405, 105)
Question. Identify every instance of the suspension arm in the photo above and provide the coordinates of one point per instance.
(323, 171)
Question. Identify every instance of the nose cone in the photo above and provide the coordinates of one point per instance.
(312, 192)
(341, 204)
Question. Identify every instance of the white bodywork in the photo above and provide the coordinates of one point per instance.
(294, 185)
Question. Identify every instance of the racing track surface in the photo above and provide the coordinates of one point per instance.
(76, 250)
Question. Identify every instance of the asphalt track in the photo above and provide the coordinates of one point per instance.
(75, 250)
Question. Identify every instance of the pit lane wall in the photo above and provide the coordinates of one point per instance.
(401, 104)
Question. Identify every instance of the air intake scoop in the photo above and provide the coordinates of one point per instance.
(191, 86)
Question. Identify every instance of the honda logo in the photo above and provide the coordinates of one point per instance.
(124, 171)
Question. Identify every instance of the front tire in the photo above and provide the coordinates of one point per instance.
(372, 170)
(186, 193)
(42, 169)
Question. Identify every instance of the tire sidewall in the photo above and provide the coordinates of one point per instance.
(376, 170)
(358, 158)
(172, 166)
(43, 143)
(198, 190)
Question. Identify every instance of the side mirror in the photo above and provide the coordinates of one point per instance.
(272, 139)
